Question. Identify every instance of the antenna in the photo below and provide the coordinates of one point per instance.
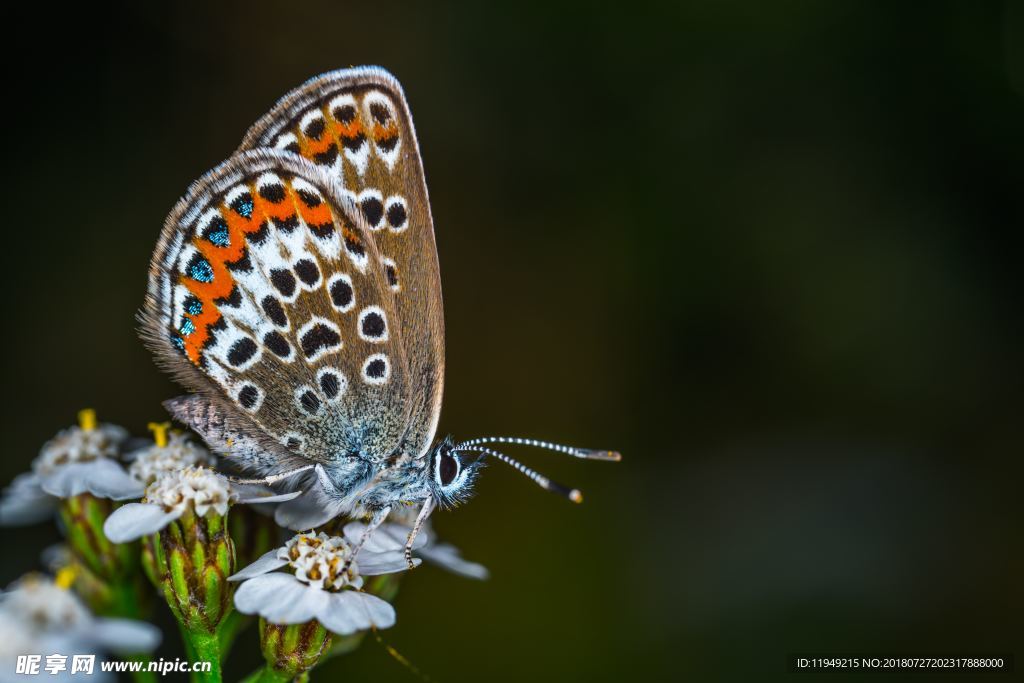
(572, 494)
(584, 453)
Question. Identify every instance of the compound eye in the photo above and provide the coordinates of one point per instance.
(447, 468)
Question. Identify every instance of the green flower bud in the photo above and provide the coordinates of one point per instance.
(190, 560)
(83, 516)
(292, 650)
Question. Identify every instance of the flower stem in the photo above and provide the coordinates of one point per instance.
(144, 675)
(229, 628)
(267, 674)
(206, 647)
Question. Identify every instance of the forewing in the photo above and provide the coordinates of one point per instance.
(267, 295)
(355, 125)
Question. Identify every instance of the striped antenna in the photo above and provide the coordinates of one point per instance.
(572, 494)
(584, 453)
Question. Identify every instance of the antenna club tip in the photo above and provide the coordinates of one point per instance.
(576, 496)
(607, 456)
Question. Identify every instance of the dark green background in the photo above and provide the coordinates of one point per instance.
(771, 251)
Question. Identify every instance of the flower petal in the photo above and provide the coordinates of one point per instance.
(448, 556)
(384, 563)
(125, 635)
(387, 538)
(350, 611)
(249, 494)
(25, 502)
(136, 520)
(279, 598)
(102, 477)
(66, 480)
(107, 479)
(303, 513)
(268, 562)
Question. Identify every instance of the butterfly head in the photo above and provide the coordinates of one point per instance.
(451, 473)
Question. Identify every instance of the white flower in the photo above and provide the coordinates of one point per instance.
(78, 460)
(25, 502)
(444, 555)
(79, 444)
(323, 581)
(178, 453)
(39, 617)
(174, 492)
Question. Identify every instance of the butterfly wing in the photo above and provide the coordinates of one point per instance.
(267, 296)
(356, 126)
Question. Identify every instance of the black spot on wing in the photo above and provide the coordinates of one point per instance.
(354, 143)
(324, 230)
(307, 271)
(328, 156)
(273, 193)
(380, 112)
(317, 338)
(373, 210)
(353, 245)
(341, 293)
(247, 396)
(287, 225)
(283, 281)
(330, 384)
(314, 129)
(241, 351)
(310, 402)
(344, 113)
(310, 199)
(276, 342)
(272, 307)
(376, 368)
(373, 325)
(260, 235)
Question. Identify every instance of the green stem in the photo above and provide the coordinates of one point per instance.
(143, 676)
(126, 601)
(233, 624)
(127, 598)
(267, 674)
(206, 647)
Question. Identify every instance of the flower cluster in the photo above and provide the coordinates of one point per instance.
(161, 511)
(173, 493)
(321, 560)
(176, 454)
(322, 581)
(38, 614)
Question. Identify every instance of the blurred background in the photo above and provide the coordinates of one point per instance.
(771, 253)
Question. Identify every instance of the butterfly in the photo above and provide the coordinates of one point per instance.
(295, 290)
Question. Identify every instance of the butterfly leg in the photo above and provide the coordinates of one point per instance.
(273, 478)
(378, 518)
(428, 507)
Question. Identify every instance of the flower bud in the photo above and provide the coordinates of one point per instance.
(294, 649)
(83, 517)
(191, 557)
